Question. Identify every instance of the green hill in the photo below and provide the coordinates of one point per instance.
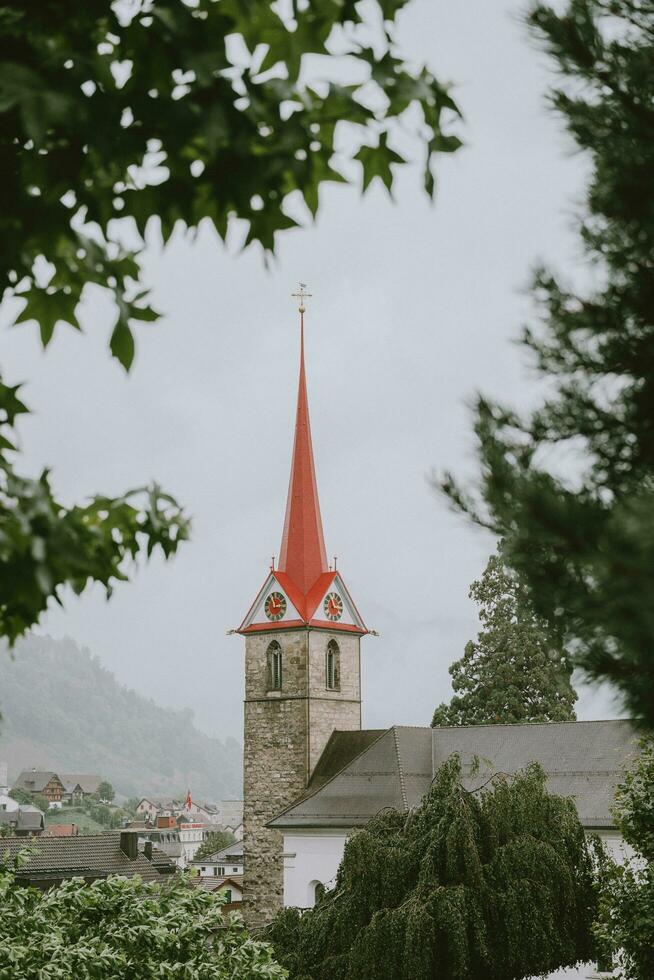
(62, 710)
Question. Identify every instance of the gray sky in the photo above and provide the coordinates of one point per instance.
(414, 309)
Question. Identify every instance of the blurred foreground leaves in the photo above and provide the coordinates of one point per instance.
(114, 114)
(123, 927)
(570, 486)
(45, 546)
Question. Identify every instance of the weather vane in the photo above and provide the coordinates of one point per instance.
(302, 295)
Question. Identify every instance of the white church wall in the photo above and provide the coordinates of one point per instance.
(310, 858)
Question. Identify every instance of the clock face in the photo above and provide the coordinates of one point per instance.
(333, 606)
(275, 606)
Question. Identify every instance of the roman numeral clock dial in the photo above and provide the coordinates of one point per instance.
(275, 606)
(333, 606)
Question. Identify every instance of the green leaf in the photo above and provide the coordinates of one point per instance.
(122, 344)
(444, 144)
(10, 404)
(377, 161)
(48, 309)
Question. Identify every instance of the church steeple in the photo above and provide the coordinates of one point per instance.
(303, 556)
(303, 590)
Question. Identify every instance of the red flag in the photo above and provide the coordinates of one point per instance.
(189, 800)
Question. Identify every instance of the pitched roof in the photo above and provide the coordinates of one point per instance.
(234, 850)
(62, 830)
(34, 780)
(583, 760)
(88, 782)
(303, 556)
(372, 776)
(93, 856)
(25, 818)
(236, 880)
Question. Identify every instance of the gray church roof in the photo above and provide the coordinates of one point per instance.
(359, 776)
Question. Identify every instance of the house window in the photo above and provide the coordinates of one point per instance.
(228, 894)
(274, 656)
(333, 667)
(215, 872)
(234, 869)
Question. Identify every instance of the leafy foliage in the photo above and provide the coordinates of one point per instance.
(215, 841)
(40, 801)
(115, 114)
(626, 921)
(496, 884)
(516, 670)
(63, 710)
(106, 792)
(571, 485)
(21, 795)
(122, 927)
(45, 546)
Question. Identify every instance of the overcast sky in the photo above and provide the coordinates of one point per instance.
(414, 309)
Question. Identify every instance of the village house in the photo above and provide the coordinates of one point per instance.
(39, 782)
(226, 862)
(147, 810)
(180, 837)
(77, 786)
(232, 889)
(192, 834)
(23, 820)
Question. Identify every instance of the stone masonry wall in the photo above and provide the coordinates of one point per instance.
(284, 733)
(329, 710)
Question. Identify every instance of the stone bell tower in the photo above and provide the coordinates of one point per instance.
(302, 671)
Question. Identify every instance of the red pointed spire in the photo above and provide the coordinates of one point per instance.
(303, 556)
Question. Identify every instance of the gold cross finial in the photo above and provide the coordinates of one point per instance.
(302, 295)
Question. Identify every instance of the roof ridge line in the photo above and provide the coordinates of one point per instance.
(527, 724)
(400, 770)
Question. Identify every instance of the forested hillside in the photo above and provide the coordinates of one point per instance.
(61, 709)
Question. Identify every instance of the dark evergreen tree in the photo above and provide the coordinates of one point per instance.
(581, 536)
(495, 884)
(516, 670)
(625, 925)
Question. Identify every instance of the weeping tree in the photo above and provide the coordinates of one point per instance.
(570, 485)
(496, 883)
(516, 670)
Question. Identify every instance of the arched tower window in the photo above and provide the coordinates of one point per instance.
(333, 667)
(274, 656)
